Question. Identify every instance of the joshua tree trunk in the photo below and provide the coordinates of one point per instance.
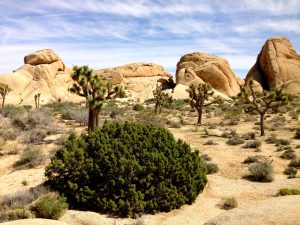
(156, 107)
(199, 116)
(91, 120)
(262, 127)
(3, 100)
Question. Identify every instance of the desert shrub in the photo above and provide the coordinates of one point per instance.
(291, 171)
(295, 163)
(288, 191)
(272, 139)
(229, 203)
(288, 154)
(60, 106)
(175, 124)
(178, 104)
(210, 142)
(252, 144)
(251, 159)
(282, 141)
(206, 157)
(211, 168)
(11, 111)
(261, 171)
(15, 214)
(235, 141)
(249, 136)
(35, 136)
(141, 164)
(138, 107)
(21, 199)
(229, 134)
(8, 134)
(284, 148)
(294, 115)
(80, 115)
(31, 157)
(50, 206)
(297, 133)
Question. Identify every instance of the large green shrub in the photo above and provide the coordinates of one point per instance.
(127, 169)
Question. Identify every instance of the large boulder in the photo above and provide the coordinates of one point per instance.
(139, 79)
(277, 65)
(201, 67)
(43, 72)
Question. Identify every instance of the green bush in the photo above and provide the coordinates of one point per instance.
(15, 214)
(229, 203)
(11, 111)
(138, 107)
(50, 206)
(288, 191)
(211, 168)
(127, 169)
(261, 171)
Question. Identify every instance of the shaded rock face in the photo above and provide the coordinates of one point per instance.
(139, 79)
(277, 65)
(43, 72)
(200, 67)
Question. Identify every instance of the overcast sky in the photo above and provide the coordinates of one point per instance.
(105, 33)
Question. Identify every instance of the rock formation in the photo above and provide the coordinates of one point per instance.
(139, 79)
(200, 67)
(277, 65)
(43, 72)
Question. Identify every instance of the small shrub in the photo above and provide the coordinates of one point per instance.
(235, 141)
(282, 141)
(175, 124)
(138, 107)
(11, 111)
(8, 134)
(206, 157)
(229, 134)
(252, 144)
(295, 163)
(288, 191)
(50, 206)
(291, 171)
(272, 139)
(288, 154)
(35, 136)
(16, 214)
(229, 203)
(251, 159)
(211, 168)
(210, 142)
(261, 171)
(249, 136)
(31, 157)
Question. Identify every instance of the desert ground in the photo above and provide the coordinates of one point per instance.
(257, 202)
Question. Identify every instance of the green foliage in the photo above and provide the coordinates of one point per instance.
(198, 95)
(229, 203)
(162, 99)
(261, 171)
(138, 107)
(127, 169)
(11, 111)
(4, 90)
(211, 168)
(262, 102)
(15, 214)
(288, 191)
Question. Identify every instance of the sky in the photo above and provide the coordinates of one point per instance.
(106, 33)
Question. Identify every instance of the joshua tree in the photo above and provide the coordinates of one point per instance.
(89, 86)
(161, 98)
(37, 100)
(4, 90)
(262, 102)
(200, 96)
(114, 92)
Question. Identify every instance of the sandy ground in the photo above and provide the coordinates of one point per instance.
(256, 201)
